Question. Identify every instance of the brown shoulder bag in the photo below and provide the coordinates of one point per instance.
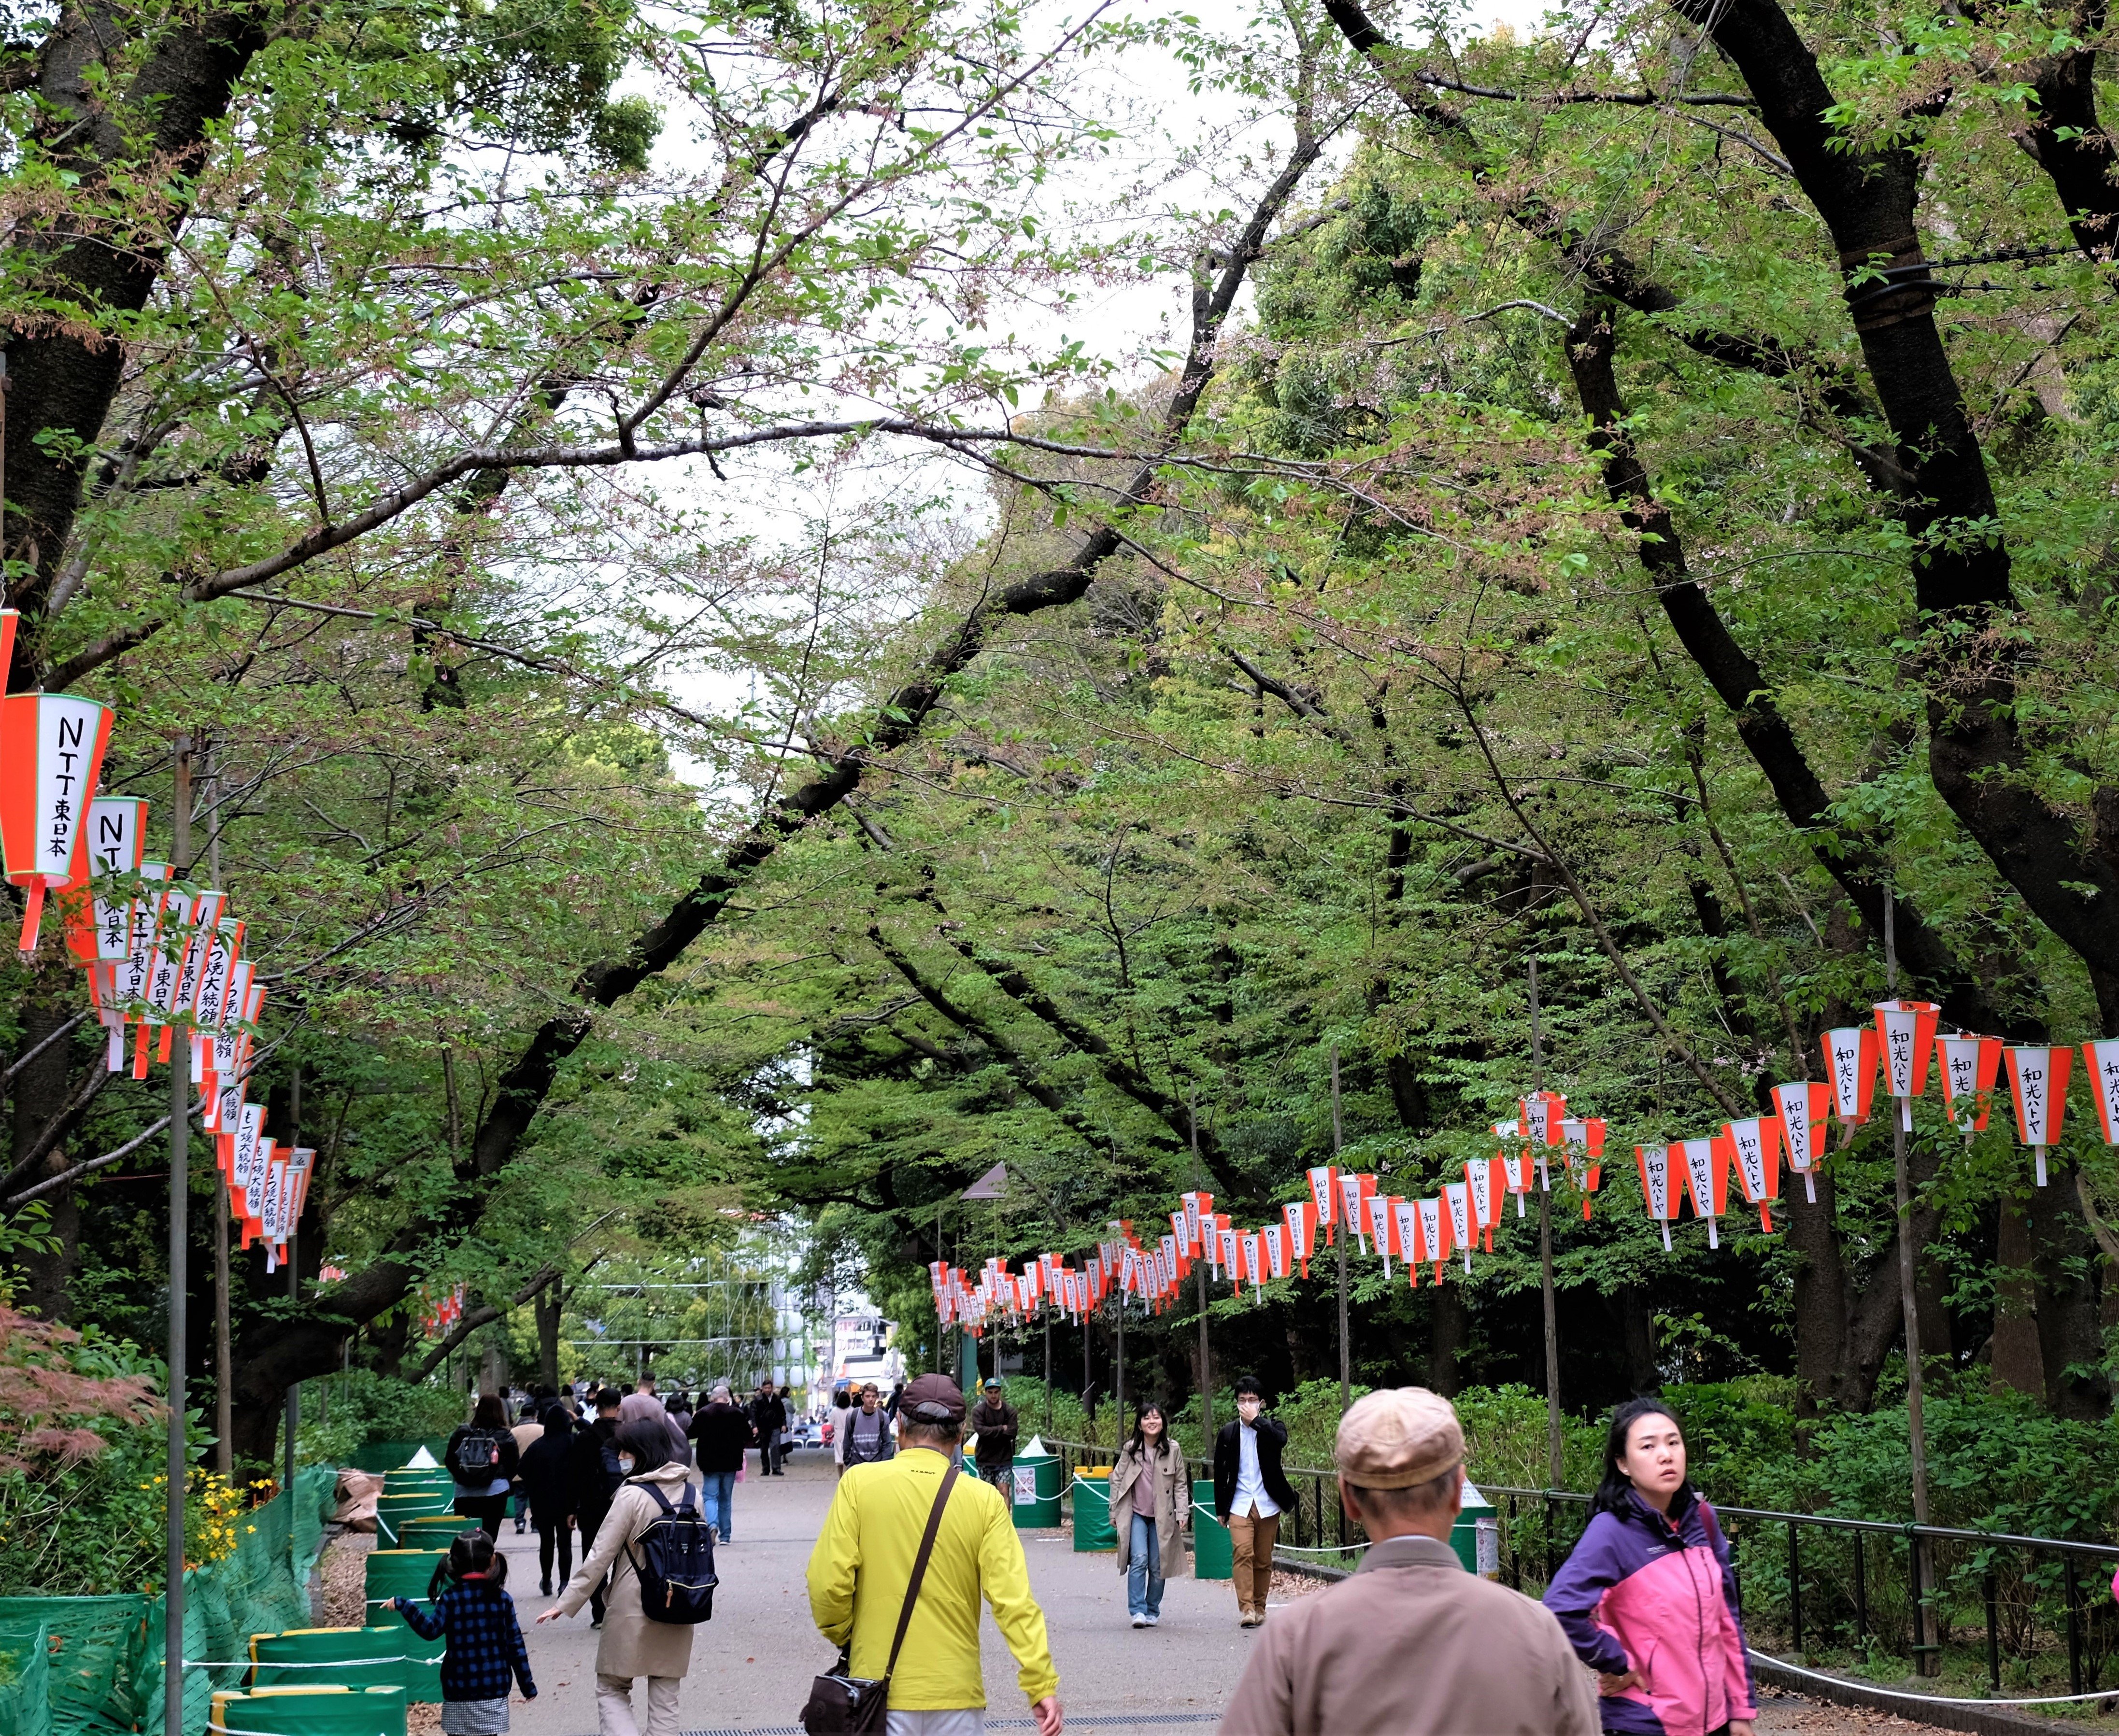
(841, 1704)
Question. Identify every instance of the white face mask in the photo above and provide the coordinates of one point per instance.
(625, 1461)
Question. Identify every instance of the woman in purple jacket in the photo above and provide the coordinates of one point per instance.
(1648, 1597)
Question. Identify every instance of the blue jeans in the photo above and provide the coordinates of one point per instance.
(717, 1500)
(1144, 1570)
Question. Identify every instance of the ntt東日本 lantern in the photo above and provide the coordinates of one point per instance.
(1707, 1180)
(51, 755)
(2037, 1081)
(102, 939)
(1654, 1164)
(1803, 1108)
(1970, 1065)
(1850, 1064)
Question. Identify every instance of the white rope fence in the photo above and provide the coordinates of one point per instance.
(1894, 1693)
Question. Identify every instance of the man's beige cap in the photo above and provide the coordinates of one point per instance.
(1398, 1437)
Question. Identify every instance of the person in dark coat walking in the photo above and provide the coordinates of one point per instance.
(547, 1482)
(591, 1480)
(768, 1421)
(482, 1457)
(1250, 1491)
(721, 1432)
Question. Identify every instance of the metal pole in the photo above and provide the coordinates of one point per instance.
(180, 1176)
(294, 1425)
(1928, 1663)
(1555, 1465)
(1118, 1373)
(224, 1355)
(1048, 1365)
(1346, 1230)
(1206, 1367)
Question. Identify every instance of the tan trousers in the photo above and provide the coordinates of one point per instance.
(1253, 1534)
(614, 1705)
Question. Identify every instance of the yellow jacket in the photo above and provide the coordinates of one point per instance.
(863, 1562)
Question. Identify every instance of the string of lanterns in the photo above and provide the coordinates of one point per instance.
(160, 961)
(1902, 1048)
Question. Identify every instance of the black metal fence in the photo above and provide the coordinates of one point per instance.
(1810, 1582)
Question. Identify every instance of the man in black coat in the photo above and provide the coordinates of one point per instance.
(768, 1421)
(722, 1431)
(1250, 1490)
(590, 1485)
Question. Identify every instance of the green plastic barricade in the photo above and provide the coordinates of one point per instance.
(1476, 1535)
(1036, 1496)
(432, 1531)
(310, 1711)
(392, 1511)
(407, 1573)
(1213, 1550)
(25, 1680)
(331, 1657)
(389, 1456)
(1093, 1510)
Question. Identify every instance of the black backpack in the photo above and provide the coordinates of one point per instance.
(676, 1565)
(478, 1452)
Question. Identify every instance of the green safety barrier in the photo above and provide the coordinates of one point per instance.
(25, 1680)
(1093, 1510)
(1213, 1550)
(407, 1573)
(333, 1657)
(312, 1711)
(391, 1511)
(434, 1532)
(98, 1645)
(404, 1477)
(1039, 1481)
(106, 1662)
(389, 1456)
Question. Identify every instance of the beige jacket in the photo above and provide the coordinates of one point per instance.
(1173, 1502)
(631, 1645)
(1413, 1646)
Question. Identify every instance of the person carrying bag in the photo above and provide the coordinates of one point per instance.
(842, 1704)
(915, 1521)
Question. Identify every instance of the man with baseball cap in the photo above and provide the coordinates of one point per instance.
(1412, 1645)
(863, 1563)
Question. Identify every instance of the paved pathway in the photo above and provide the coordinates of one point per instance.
(752, 1663)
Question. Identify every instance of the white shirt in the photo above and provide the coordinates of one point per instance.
(1250, 1486)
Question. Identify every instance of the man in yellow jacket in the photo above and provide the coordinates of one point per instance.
(863, 1563)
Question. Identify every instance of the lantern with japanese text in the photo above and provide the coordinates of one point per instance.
(1850, 1064)
(1584, 1142)
(2102, 1059)
(1302, 1216)
(1324, 1196)
(1905, 1030)
(51, 755)
(1970, 1066)
(1803, 1108)
(1656, 1192)
(1706, 1180)
(2037, 1082)
(1458, 1199)
(1484, 1177)
(1753, 1146)
(1405, 1214)
(1433, 1234)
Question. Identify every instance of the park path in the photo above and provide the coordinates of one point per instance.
(752, 1663)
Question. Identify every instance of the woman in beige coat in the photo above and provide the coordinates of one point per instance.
(632, 1645)
(1150, 1498)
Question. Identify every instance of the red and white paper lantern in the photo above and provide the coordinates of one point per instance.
(51, 755)
(2037, 1082)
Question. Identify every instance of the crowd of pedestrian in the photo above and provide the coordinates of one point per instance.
(1639, 1633)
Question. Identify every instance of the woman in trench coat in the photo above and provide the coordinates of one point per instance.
(1150, 1498)
(631, 1645)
